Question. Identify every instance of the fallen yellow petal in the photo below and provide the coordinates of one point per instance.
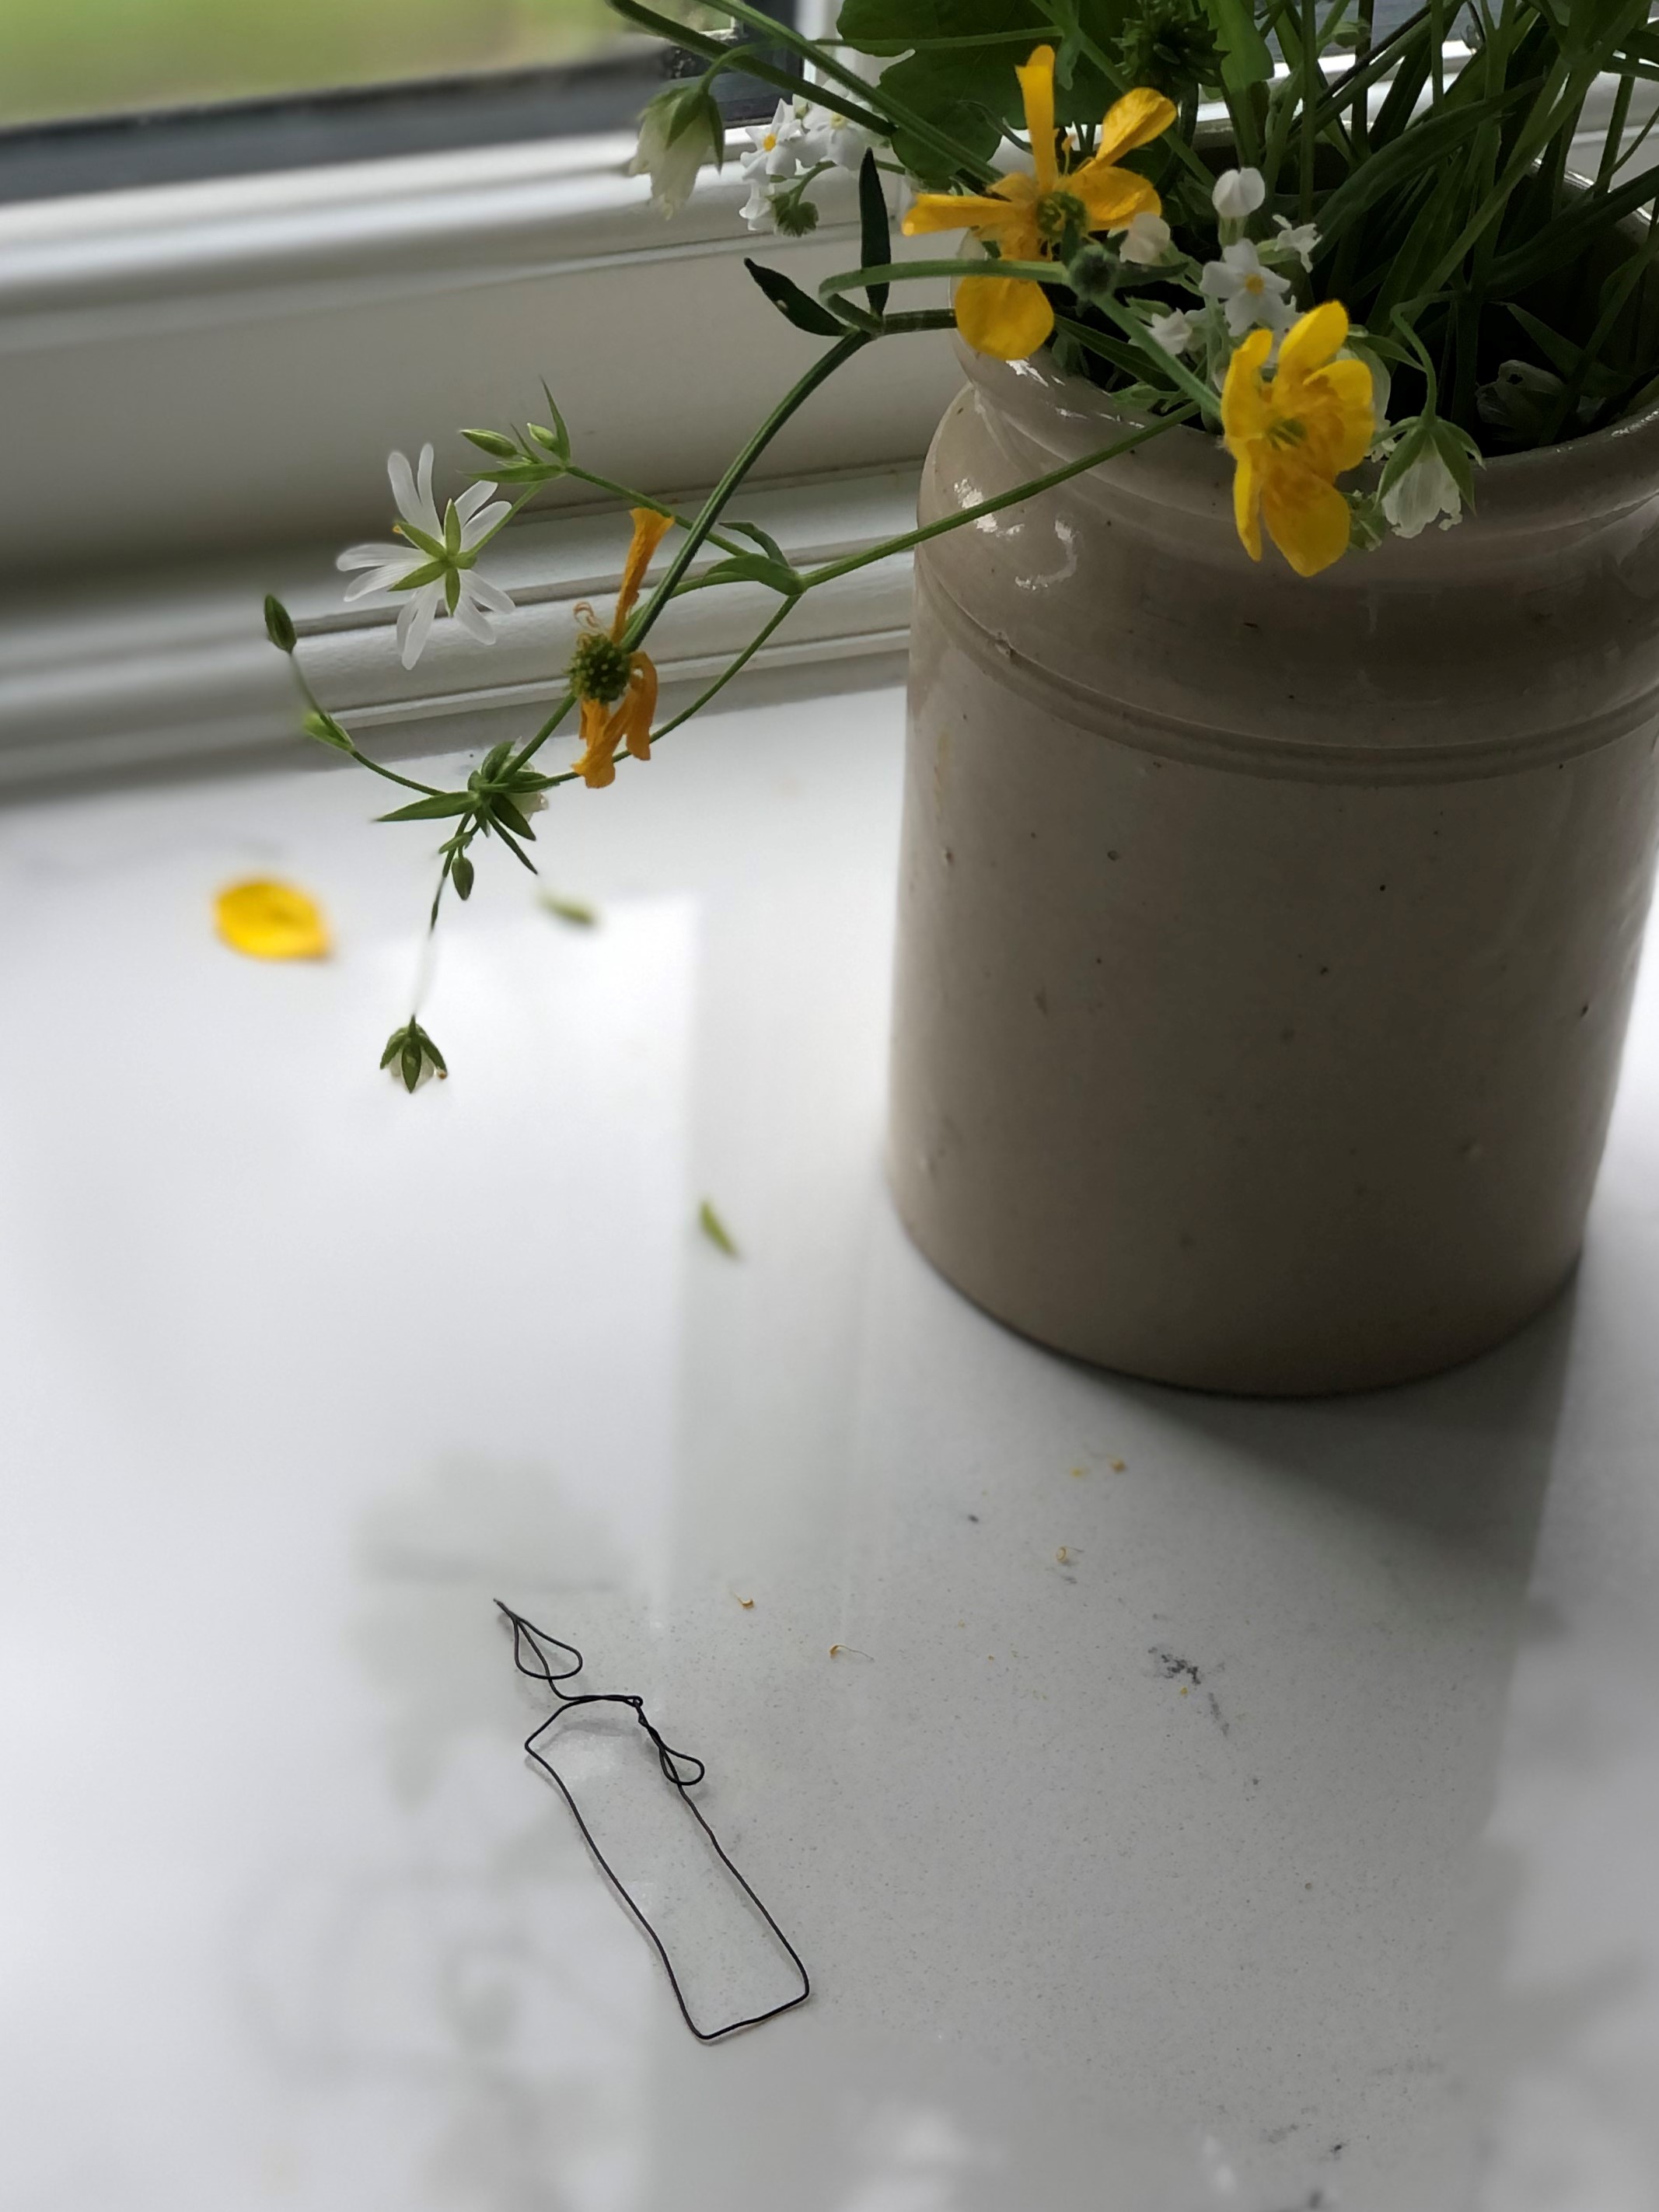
(272, 922)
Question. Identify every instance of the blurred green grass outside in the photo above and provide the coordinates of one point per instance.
(73, 58)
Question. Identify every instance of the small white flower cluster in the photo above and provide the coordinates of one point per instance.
(801, 144)
(1247, 288)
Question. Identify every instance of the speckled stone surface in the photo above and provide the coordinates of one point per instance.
(1212, 1805)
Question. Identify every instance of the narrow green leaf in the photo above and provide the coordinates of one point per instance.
(505, 812)
(394, 1045)
(755, 569)
(558, 440)
(1418, 150)
(716, 1231)
(795, 305)
(767, 543)
(438, 808)
(876, 238)
(1571, 236)
(410, 1063)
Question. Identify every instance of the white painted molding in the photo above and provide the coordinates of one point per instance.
(215, 366)
(175, 673)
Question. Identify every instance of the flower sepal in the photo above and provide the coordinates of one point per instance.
(411, 1054)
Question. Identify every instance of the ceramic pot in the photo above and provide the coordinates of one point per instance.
(1266, 945)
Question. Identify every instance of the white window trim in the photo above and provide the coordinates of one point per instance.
(210, 369)
(206, 366)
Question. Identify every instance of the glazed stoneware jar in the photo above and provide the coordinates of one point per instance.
(1266, 945)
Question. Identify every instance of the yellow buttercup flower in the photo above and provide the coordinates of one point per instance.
(1293, 434)
(1026, 216)
(617, 690)
(272, 922)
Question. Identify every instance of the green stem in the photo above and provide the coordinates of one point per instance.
(1198, 392)
(903, 543)
(752, 64)
(391, 775)
(1313, 83)
(917, 126)
(725, 676)
(981, 507)
(633, 498)
(709, 514)
(714, 505)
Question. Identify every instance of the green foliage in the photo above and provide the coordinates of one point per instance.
(961, 55)
(1439, 190)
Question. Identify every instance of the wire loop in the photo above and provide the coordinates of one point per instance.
(681, 1768)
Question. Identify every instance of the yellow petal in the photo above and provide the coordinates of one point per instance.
(650, 528)
(1307, 518)
(1245, 412)
(1114, 198)
(931, 211)
(1310, 342)
(597, 765)
(637, 708)
(1247, 505)
(1348, 416)
(1037, 85)
(272, 922)
(1135, 120)
(1007, 317)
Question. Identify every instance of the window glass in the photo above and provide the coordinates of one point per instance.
(72, 59)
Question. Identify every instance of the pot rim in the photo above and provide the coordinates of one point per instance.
(1593, 478)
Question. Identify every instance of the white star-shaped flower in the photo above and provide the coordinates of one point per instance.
(433, 571)
(1251, 293)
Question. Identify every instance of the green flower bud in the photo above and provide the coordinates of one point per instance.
(327, 732)
(795, 215)
(279, 624)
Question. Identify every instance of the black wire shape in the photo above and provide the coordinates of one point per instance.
(679, 1767)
